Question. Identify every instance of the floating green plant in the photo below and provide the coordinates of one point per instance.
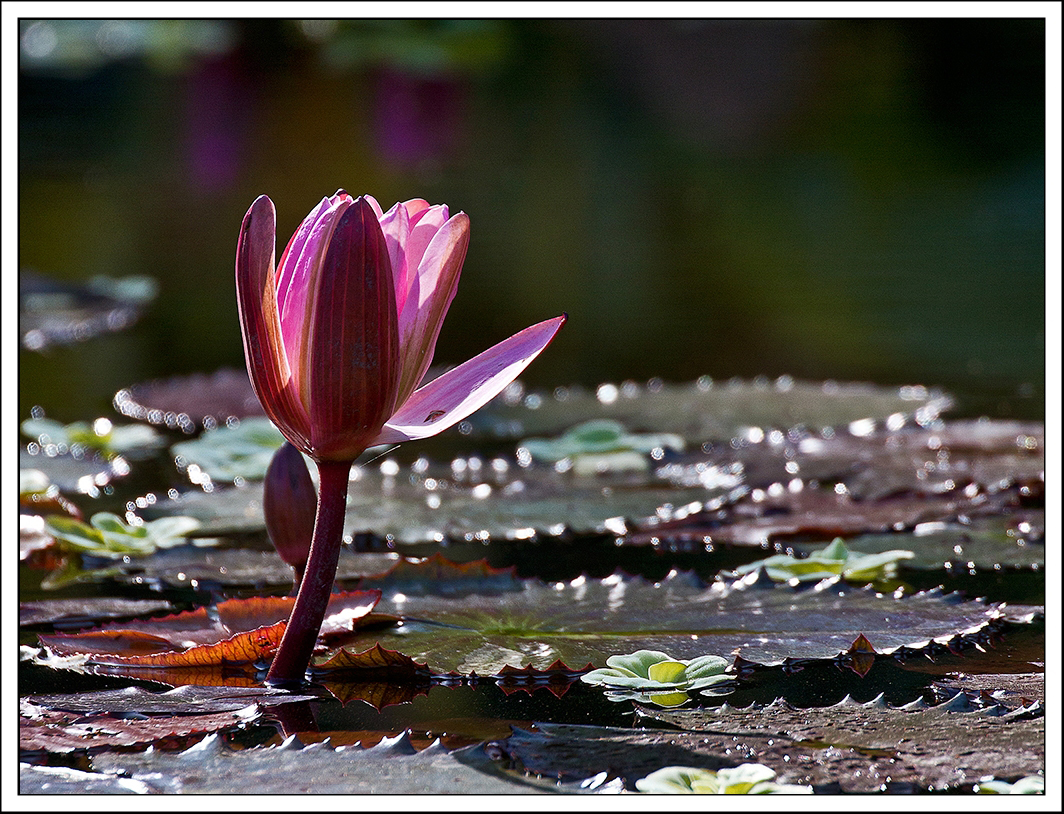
(749, 778)
(833, 560)
(107, 535)
(656, 677)
(242, 451)
(600, 445)
(101, 436)
(1033, 784)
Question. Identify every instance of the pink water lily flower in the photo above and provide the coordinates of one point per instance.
(338, 337)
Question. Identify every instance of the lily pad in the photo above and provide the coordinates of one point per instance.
(705, 410)
(107, 535)
(238, 567)
(587, 620)
(87, 474)
(188, 402)
(599, 446)
(658, 678)
(748, 778)
(81, 612)
(53, 437)
(847, 747)
(238, 451)
(1015, 540)
(470, 499)
(52, 312)
(236, 631)
(391, 767)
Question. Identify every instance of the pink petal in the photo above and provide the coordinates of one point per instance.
(461, 391)
(296, 275)
(260, 323)
(430, 297)
(353, 346)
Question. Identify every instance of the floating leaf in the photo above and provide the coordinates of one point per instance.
(107, 535)
(102, 436)
(847, 747)
(428, 502)
(393, 766)
(185, 402)
(375, 661)
(749, 778)
(242, 566)
(79, 612)
(84, 474)
(706, 410)
(242, 451)
(588, 620)
(1015, 539)
(236, 631)
(760, 517)
(1032, 784)
(185, 700)
(599, 446)
(53, 312)
(833, 560)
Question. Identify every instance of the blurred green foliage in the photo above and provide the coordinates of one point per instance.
(858, 199)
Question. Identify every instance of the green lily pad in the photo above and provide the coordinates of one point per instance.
(598, 446)
(241, 451)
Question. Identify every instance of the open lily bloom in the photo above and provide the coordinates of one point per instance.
(340, 334)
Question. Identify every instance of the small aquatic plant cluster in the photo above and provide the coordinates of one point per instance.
(1032, 784)
(834, 560)
(749, 778)
(107, 535)
(656, 677)
(338, 337)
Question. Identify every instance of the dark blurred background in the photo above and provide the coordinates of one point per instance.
(851, 200)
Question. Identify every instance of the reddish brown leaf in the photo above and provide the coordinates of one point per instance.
(375, 661)
(861, 656)
(241, 648)
(237, 631)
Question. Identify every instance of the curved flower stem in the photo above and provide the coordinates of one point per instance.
(293, 655)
